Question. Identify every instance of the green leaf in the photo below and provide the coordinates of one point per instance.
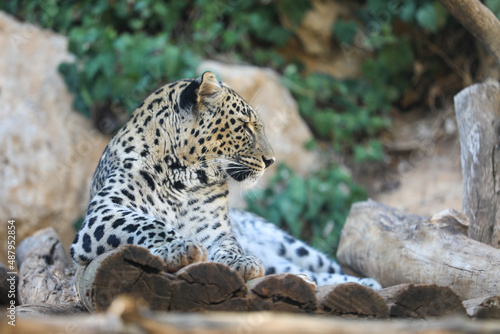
(345, 31)
(427, 17)
(494, 6)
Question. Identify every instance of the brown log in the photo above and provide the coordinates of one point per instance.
(484, 307)
(45, 274)
(124, 318)
(396, 247)
(421, 301)
(8, 286)
(128, 270)
(351, 298)
(480, 22)
(282, 293)
(209, 286)
(478, 118)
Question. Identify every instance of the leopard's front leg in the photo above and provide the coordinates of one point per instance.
(228, 251)
(108, 226)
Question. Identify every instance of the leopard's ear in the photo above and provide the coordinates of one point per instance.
(209, 87)
(202, 89)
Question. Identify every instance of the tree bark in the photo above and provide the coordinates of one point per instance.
(480, 22)
(352, 299)
(421, 301)
(478, 117)
(396, 247)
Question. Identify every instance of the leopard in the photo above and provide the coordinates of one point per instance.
(162, 183)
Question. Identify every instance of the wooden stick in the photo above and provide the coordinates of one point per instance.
(396, 247)
(478, 118)
(123, 317)
(421, 301)
(480, 21)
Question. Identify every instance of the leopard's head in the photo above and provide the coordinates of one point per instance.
(223, 131)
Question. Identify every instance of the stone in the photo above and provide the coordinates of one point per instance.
(285, 129)
(49, 151)
(316, 46)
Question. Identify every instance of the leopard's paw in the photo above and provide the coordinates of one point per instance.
(179, 253)
(249, 267)
(371, 283)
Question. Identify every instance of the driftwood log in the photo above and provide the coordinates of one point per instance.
(45, 274)
(421, 301)
(396, 247)
(124, 317)
(478, 117)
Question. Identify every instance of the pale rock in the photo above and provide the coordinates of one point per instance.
(316, 46)
(285, 129)
(48, 151)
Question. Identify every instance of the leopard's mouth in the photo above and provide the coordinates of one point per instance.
(240, 172)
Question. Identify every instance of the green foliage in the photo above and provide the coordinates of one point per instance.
(125, 49)
(494, 6)
(340, 111)
(314, 208)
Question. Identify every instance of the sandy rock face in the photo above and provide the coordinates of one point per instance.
(48, 151)
(285, 129)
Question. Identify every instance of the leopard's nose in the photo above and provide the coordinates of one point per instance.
(268, 161)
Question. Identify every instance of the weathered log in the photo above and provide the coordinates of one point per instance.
(421, 301)
(478, 118)
(282, 293)
(351, 298)
(396, 247)
(45, 274)
(124, 318)
(209, 286)
(479, 20)
(128, 270)
(8, 286)
(484, 307)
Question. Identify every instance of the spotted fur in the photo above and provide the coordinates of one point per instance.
(162, 181)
